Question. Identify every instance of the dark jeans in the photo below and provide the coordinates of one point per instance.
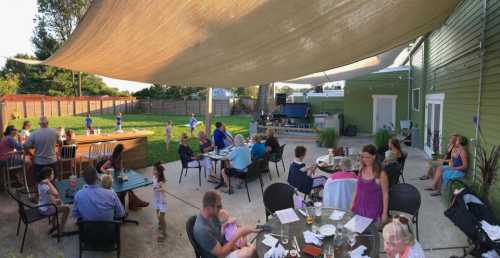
(38, 169)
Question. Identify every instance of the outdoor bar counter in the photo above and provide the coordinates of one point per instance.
(135, 143)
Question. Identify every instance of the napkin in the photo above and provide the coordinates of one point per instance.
(269, 240)
(312, 238)
(493, 231)
(358, 252)
(276, 252)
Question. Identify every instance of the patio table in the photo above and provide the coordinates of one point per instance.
(323, 163)
(135, 180)
(369, 238)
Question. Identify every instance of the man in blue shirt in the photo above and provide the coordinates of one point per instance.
(258, 148)
(219, 136)
(240, 159)
(94, 203)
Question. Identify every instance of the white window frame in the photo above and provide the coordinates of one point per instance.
(413, 99)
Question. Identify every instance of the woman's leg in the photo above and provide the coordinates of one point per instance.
(436, 182)
(64, 216)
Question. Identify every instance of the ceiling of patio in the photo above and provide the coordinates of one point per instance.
(228, 43)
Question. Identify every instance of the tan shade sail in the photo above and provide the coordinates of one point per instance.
(239, 42)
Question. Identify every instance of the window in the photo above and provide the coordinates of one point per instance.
(415, 99)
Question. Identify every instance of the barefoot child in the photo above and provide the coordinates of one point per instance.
(168, 133)
(160, 202)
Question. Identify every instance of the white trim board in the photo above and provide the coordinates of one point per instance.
(375, 98)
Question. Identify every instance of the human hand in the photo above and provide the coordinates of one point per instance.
(245, 230)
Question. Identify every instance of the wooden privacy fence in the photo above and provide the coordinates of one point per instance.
(184, 107)
(23, 106)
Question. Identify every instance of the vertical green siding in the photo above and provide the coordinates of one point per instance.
(418, 82)
(358, 102)
(451, 65)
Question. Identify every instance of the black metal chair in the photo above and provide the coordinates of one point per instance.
(278, 196)
(189, 230)
(29, 213)
(277, 157)
(405, 198)
(404, 155)
(253, 172)
(101, 236)
(185, 168)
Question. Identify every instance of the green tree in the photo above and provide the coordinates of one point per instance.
(157, 91)
(8, 84)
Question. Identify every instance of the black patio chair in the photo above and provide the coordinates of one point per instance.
(277, 157)
(103, 236)
(185, 168)
(278, 196)
(405, 198)
(404, 155)
(189, 230)
(253, 172)
(29, 213)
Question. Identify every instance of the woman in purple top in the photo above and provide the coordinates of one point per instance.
(371, 197)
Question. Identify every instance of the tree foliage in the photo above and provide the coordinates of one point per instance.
(157, 91)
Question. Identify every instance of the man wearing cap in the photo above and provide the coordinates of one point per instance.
(44, 141)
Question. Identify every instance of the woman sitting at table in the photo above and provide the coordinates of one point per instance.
(116, 162)
(239, 159)
(258, 148)
(340, 186)
(371, 198)
(399, 242)
(188, 158)
(272, 144)
(395, 147)
(8, 144)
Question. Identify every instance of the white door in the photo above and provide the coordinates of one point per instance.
(433, 134)
(384, 111)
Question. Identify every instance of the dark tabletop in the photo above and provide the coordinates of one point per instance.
(369, 238)
(135, 180)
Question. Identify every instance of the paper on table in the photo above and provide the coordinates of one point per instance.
(287, 216)
(270, 240)
(337, 215)
(358, 252)
(358, 224)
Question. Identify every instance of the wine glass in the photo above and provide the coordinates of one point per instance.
(352, 238)
(284, 234)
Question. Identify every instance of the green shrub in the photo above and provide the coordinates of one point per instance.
(328, 138)
(381, 139)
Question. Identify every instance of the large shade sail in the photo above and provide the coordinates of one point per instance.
(229, 43)
(359, 68)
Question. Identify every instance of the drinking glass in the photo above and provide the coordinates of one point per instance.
(284, 233)
(352, 238)
(328, 252)
(317, 209)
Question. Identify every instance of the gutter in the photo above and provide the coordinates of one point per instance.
(482, 51)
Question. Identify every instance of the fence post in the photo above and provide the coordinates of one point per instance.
(74, 106)
(88, 105)
(114, 106)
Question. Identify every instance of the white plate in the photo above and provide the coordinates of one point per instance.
(327, 230)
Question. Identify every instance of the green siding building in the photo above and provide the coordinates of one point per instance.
(362, 97)
(455, 81)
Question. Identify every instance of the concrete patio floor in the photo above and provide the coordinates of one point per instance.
(184, 200)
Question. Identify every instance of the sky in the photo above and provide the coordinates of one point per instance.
(16, 30)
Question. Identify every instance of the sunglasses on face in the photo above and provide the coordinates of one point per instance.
(404, 220)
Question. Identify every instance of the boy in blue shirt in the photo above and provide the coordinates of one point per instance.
(88, 122)
(192, 124)
(303, 177)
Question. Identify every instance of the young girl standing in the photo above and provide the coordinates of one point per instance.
(168, 133)
(160, 201)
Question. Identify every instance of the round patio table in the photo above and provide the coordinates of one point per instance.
(370, 237)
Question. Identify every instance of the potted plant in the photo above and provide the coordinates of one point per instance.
(487, 162)
(381, 141)
(328, 138)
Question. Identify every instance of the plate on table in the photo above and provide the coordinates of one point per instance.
(327, 230)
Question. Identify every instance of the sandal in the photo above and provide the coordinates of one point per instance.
(424, 177)
(436, 194)
(429, 189)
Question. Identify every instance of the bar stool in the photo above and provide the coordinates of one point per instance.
(68, 154)
(15, 161)
(96, 151)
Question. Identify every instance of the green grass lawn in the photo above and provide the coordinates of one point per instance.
(155, 123)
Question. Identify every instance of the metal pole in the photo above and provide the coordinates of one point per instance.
(482, 50)
(208, 113)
